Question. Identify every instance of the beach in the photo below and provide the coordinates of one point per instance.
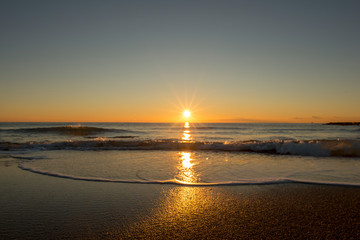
(179, 181)
(179, 120)
(35, 206)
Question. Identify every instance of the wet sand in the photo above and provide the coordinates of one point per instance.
(35, 206)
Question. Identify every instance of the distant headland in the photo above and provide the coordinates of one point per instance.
(344, 123)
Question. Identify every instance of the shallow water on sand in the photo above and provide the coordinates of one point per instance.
(191, 167)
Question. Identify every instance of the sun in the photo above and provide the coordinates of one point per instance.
(187, 113)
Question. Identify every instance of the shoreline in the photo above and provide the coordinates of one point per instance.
(35, 206)
(175, 182)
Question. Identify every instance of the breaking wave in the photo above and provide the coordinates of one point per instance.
(316, 148)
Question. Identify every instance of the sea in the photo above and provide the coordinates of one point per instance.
(193, 154)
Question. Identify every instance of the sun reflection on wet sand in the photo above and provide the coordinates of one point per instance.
(174, 216)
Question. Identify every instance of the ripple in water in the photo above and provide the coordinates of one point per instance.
(192, 168)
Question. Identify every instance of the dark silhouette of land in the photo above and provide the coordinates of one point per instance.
(344, 123)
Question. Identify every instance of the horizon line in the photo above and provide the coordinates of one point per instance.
(162, 122)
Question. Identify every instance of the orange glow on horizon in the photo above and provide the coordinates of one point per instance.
(169, 112)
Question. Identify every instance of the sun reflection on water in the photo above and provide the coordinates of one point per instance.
(186, 158)
(186, 137)
(186, 134)
(186, 172)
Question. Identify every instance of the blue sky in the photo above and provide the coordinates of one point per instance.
(146, 60)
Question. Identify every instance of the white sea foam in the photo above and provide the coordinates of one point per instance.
(317, 148)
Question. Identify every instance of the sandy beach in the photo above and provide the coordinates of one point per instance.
(35, 206)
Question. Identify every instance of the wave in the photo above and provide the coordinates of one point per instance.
(67, 130)
(216, 128)
(257, 181)
(316, 148)
(28, 158)
(127, 136)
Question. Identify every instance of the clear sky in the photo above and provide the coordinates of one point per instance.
(226, 61)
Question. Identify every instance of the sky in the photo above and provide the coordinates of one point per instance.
(148, 61)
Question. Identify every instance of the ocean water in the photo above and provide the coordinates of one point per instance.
(186, 153)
